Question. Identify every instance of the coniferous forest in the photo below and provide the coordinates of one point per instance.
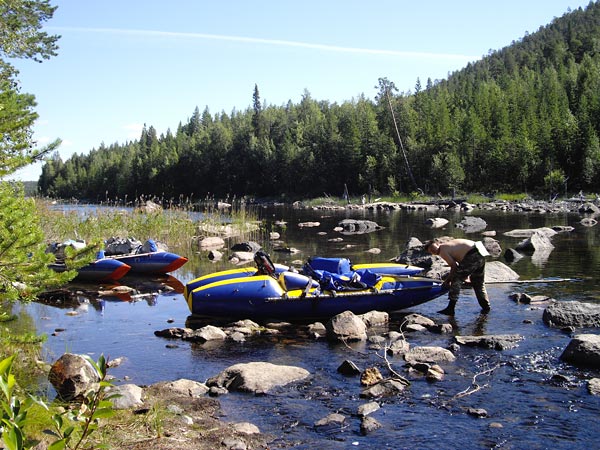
(525, 118)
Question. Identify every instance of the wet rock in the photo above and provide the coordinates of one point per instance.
(496, 342)
(472, 224)
(511, 255)
(241, 257)
(588, 222)
(377, 341)
(72, 375)
(428, 355)
(236, 336)
(354, 226)
(246, 247)
(572, 314)
(492, 246)
(548, 232)
(588, 208)
(521, 297)
(348, 368)
(414, 328)
(204, 334)
(563, 228)
(477, 412)
(216, 391)
(416, 319)
(398, 347)
(368, 408)
(442, 328)
(211, 243)
(435, 373)
(436, 222)
(346, 326)
(594, 386)
(309, 224)
(560, 380)
(375, 318)
(173, 332)
(257, 377)
(538, 241)
(583, 350)
(317, 330)
(330, 422)
(385, 388)
(368, 425)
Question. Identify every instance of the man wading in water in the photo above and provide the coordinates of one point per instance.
(466, 260)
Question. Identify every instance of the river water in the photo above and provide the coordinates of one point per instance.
(533, 400)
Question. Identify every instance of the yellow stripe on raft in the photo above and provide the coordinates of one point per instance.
(382, 266)
(243, 270)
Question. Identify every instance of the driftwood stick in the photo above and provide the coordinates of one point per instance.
(391, 369)
(474, 385)
(543, 280)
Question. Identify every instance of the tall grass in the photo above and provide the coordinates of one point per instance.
(174, 226)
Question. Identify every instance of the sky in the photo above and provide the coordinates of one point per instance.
(123, 64)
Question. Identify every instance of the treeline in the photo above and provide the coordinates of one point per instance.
(525, 118)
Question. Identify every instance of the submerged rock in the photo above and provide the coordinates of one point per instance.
(497, 342)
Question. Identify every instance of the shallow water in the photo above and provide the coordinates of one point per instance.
(527, 407)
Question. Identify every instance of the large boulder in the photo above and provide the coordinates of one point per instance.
(257, 377)
(472, 224)
(583, 350)
(496, 271)
(538, 241)
(572, 314)
(72, 376)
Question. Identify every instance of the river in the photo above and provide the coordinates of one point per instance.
(533, 400)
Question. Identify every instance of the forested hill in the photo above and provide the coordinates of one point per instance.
(523, 118)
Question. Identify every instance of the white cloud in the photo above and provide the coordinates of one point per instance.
(278, 42)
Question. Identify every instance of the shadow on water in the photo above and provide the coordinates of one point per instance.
(532, 399)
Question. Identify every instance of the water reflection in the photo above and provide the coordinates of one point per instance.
(128, 289)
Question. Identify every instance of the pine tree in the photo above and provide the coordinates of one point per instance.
(23, 262)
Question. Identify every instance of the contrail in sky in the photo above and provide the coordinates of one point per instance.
(277, 42)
